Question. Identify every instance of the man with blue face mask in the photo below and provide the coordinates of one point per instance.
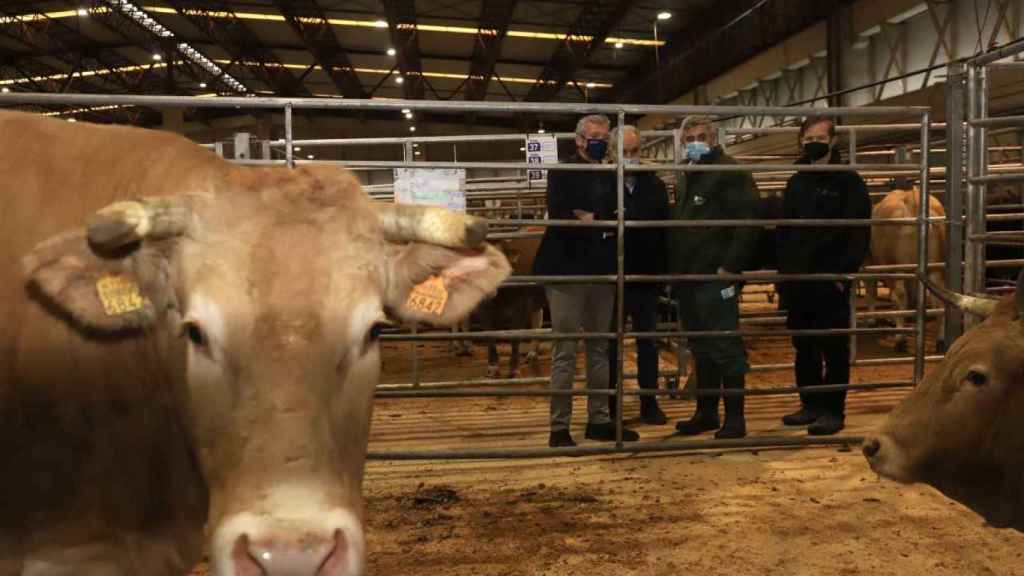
(712, 305)
(586, 196)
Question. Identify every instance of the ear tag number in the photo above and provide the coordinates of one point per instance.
(428, 296)
(119, 295)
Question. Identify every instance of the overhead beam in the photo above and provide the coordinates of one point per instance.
(495, 18)
(308, 21)
(401, 17)
(235, 37)
(596, 20)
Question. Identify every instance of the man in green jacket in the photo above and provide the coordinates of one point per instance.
(713, 305)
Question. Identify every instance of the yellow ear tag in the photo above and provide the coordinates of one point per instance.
(119, 295)
(428, 296)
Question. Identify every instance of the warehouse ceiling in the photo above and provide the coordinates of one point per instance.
(491, 50)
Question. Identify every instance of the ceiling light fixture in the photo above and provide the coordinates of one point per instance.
(664, 15)
(392, 52)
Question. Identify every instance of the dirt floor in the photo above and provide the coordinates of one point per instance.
(810, 511)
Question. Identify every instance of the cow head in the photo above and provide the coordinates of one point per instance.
(960, 429)
(265, 302)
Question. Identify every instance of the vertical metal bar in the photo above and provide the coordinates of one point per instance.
(853, 322)
(620, 281)
(853, 146)
(265, 150)
(955, 78)
(922, 249)
(971, 256)
(289, 153)
(981, 191)
(218, 148)
(408, 155)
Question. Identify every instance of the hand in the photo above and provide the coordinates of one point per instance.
(583, 215)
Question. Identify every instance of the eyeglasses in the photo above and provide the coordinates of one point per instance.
(702, 137)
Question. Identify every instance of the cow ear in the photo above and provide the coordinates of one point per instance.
(97, 295)
(440, 286)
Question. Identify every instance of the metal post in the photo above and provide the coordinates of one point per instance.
(409, 155)
(971, 256)
(289, 153)
(265, 150)
(922, 250)
(218, 148)
(853, 322)
(853, 146)
(242, 145)
(954, 197)
(620, 282)
(982, 171)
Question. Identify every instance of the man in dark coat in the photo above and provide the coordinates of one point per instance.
(586, 196)
(644, 198)
(714, 195)
(821, 250)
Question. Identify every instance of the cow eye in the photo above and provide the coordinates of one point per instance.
(977, 378)
(194, 333)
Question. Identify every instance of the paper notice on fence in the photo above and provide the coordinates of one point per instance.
(445, 187)
(540, 149)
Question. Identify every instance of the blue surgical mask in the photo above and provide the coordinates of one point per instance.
(696, 150)
(596, 149)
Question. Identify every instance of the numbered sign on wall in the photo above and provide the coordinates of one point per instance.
(541, 149)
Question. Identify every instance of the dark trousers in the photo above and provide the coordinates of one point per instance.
(821, 359)
(640, 303)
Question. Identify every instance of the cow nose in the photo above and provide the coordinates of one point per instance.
(870, 447)
(298, 555)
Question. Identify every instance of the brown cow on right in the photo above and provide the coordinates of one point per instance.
(893, 245)
(961, 429)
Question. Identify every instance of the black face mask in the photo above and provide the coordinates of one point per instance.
(816, 150)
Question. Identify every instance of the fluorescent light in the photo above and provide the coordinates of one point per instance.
(406, 110)
(202, 84)
(417, 153)
(82, 12)
(619, 45)
(297, 149)
(412, 128)
(72, 120)
(522, 148)
(876, 29)
(408, 115)
(157, 57)
(5, 90)
(399, 79)
(540, 131)
(415, 145)
(380, 24)
(908, 14)
(391, 52)
(310, 157)
(664, 15)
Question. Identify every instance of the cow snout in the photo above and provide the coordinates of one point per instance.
(330, 544)
(308, 555)
(870, 447)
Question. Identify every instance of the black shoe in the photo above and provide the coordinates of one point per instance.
(606, 433)
(801, 417)
(651, 413)
(560, 439)
(733, 428)
(698, 424)
(826, 425)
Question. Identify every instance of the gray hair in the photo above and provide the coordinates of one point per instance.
(613, 142)
(691, 122)
(599, 119)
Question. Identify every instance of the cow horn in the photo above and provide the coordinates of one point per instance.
(983, 307)
(432, 225)
(123, 223)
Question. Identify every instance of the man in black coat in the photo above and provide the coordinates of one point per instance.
(583, 195)
(821, 250)
(645, 198)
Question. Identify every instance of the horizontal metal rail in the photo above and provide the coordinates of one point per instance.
(752, 223)
(997, 121)
(909, 169)
(631, 448)
(545, 335)
(991, 178)
(906, 127)
(528, 392)
(459, 106)
(751, 278)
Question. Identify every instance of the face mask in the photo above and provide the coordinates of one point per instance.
(696, 150)
(816, 150)
(596, 149)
